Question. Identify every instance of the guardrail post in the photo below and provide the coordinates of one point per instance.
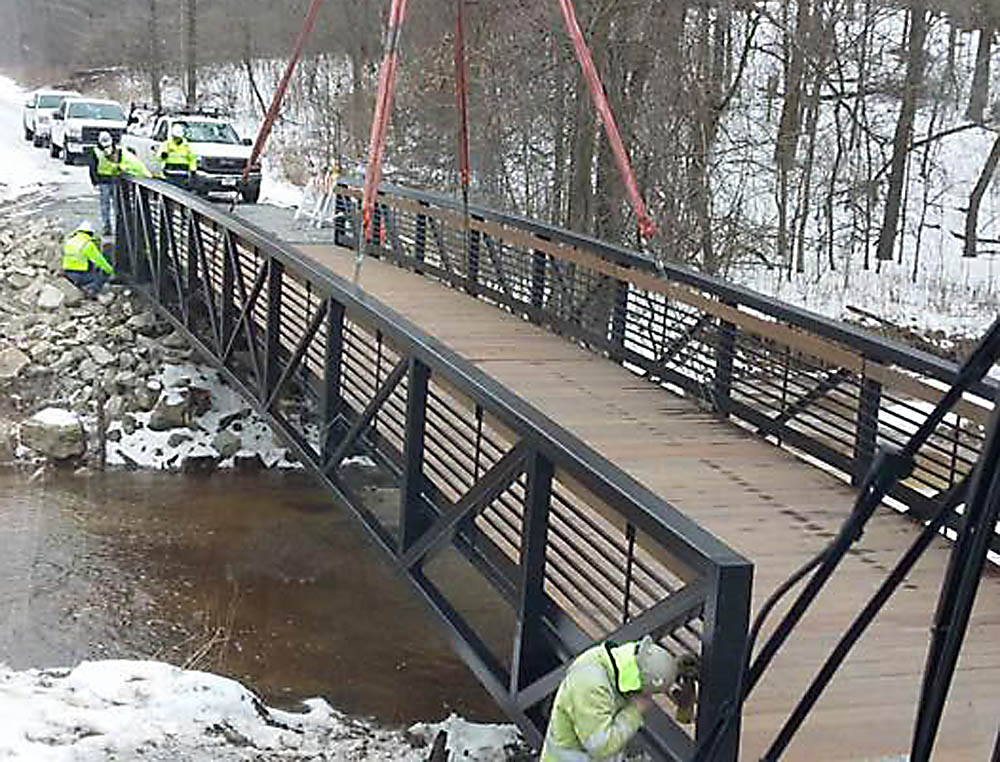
(272, 365)
(332, 400)
(866, 438)
(531, 657)
(411, 520)
(724, 635)
(725, 351)
(472, 261)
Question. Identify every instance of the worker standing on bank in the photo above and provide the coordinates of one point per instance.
(83, 262)
(108, 163)
(600, 703)
(178, 160)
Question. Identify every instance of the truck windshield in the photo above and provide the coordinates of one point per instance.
(209, 132)
(50, 101)
(108, 111)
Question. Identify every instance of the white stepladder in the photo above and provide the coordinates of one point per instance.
(319, 201)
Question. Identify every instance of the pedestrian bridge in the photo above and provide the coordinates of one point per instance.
(604, 449)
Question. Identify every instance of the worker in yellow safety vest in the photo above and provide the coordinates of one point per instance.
(178, 160)
(600, 704)
(83, 262)
(108, 163)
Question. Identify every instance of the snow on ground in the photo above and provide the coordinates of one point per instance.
(24, 168)
(126, 710)
(153, 449)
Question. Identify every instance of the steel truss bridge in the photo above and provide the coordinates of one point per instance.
(523, 505)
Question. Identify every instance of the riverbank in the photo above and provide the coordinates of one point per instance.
(67, 363)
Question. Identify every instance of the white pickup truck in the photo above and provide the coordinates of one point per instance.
(38, 111)
(78, 122)
(221, 153)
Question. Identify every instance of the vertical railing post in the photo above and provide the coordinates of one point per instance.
(866, 435)
(272, 360)
(538, 267)
(339, 220)
(724, 635)
(473, 242)
(420, 241)
(725, 351)
(331, 398)
(619, 320)
(411, 519)
(532, 657)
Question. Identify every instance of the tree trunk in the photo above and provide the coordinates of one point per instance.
(790, 125)
(155, 55)
(972, 216)
(191, 52)
(904, 129)
(979, 95)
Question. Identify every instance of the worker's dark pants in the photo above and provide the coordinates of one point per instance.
(90, 281)
(179, 177)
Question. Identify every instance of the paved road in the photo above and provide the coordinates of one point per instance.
(32, 183)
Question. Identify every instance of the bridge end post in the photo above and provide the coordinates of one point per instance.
(532, 658)
(725, 352)
(866, 430)
(411, 519)
(726, 619)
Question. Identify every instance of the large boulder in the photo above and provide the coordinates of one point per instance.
(172, 411)
(12, 362)
(227, 444)
(50, 298)
(55, 433)
(73, 295)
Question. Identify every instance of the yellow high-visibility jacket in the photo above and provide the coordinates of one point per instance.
(79, 250)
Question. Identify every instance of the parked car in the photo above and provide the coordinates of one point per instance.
(37, 114)
(222, 154)
(78, 122)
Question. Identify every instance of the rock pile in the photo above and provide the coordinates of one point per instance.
(61, 355)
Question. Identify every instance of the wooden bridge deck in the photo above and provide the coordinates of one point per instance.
(773, 508)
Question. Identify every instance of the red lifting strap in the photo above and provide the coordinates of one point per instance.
(646, 226)
(383, 110)
(279, 94)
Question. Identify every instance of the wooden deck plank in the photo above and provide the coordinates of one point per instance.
(765, 503)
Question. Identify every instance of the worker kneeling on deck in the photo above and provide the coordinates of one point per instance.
(599, 705)
(179, 161)
(83, 262)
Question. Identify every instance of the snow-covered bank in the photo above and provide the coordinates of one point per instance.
(153, 711)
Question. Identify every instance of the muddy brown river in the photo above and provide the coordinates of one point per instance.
(257, 577)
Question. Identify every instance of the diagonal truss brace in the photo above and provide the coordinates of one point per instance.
(368, 414)
(492, 484)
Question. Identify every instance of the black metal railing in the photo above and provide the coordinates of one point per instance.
(524, 543)
(828, 391)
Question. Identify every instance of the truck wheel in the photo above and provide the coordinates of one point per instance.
(37, 141)
(53, 150)
(68, 158)
(28, 135)
(251, 193)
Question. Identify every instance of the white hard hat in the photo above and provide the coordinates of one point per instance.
(657, 668)
(177, 130)
(104, 139)
(86, 226)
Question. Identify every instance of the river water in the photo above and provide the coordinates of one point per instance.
(255, 576)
